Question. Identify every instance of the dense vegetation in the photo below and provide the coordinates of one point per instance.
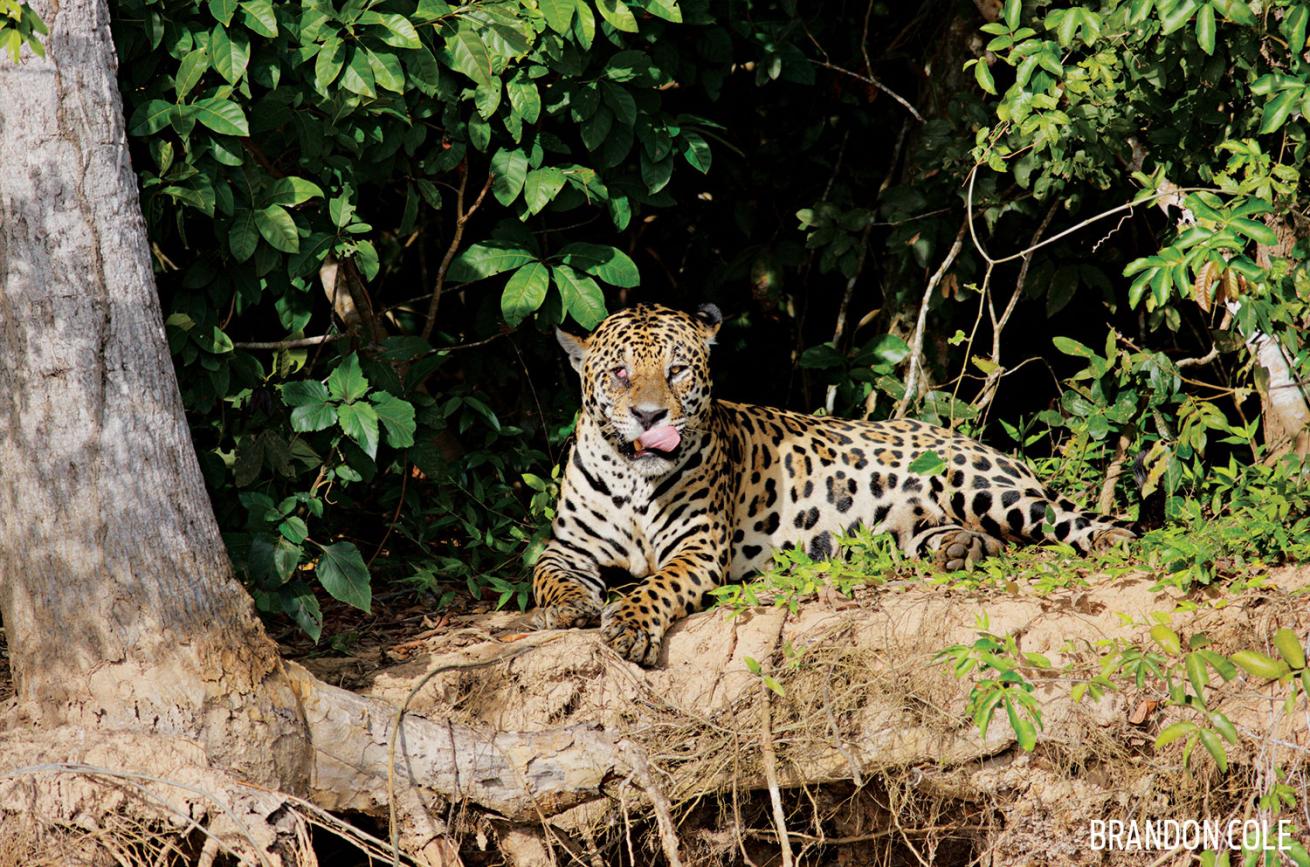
(472, 175)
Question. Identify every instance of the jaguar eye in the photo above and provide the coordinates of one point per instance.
(677, 370)
(620, 372)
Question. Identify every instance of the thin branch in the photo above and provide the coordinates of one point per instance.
(1128, 206)
(770, 761)
(658, 801)
(869, 79)
(916, 345)
(461, 218)
(293, 343)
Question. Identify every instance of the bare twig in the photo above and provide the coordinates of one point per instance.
(993, 380)
(658, 801)
(292, 343)
(1202, 361)
(770, 761)
(916, 344)
(461, 218)
(869, 79)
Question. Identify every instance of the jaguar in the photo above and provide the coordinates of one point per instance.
(682, 492)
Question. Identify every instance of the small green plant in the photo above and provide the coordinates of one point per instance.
(20, 26)
(999, 681)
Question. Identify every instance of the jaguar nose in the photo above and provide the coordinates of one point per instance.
(649, 415)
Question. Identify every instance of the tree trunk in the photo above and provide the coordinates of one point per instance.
(116, 592)
(122, 614)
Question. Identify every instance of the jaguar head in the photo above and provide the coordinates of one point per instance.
(646, 380)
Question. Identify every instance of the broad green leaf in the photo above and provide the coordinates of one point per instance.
(359, 421)
(525, 292)
(1205, 28)
(618, 15)
(582, 297)
(466, 52)
(223, 116)
(1255, 663)
(292, 190)
(620, 102)
(1173, 732)
(358, 74)
(1258, 232)
(242, 236)
(1163, 635)
(559, 14)
(310, 408)
(397, 417)
(541, 186)
(230, 51)
(601, 260)
(342, 573)
(150, 117)
(696, 151)
(293, 529)
(627, 66)
(488, 258)
(655, 174)
(666, 9)
(524, 99)
(597, 128)
(510, 170)
(189, 71)
(423, 71)
(327, 66)
(1179, 15)
(1215, 748)
(1290, 647)
(258, 17)
(387, 71)
(278, 228)
(302, 606)
(1012, 11)
(584, 26)
(929, 463)
(982, 73)
(1294, 26)
(392, 28)
(223, 10)
(347, 382)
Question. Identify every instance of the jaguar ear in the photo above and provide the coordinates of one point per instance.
(710, 318)
(575, 346)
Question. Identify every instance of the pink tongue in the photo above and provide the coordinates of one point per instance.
(661, 439)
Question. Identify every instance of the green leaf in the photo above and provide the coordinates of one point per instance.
(1224, 726)
(1256, 231)
(601, 260)
(928, 463)
(541, 186)
(358, 75)
(310, 408)
(465, 52)
(524, 99)
(347, 382)
(666, 9)
(230, 53)
(392, 28)
(1205, 28)
(525, 292)
(242, 236)
(1179, 15)
(327, 66)
(584, 26)
(1290, 647)
(302, 606)
(1257, 664)
(655, 174)
(1197, 674)
(359, 421)
(1166, 638)
(1070, 346)
(387, 72)
(618, 15)
(223, 116)
(559, 14)
(258, 17)
(150, 117)
(292, 190)
(1277, 110)
(223, 10)
(293, 529)
(1215, 748)
(982, 73)
(1171, 733)
(696, 151)
(342, 573)
(488, 258)
(1294, 26)
(510, 170)
(397, 417)
(583, 298)
(278, 228)
(189, 71)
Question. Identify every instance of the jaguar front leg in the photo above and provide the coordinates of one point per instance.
(635, 624)
(567, 587)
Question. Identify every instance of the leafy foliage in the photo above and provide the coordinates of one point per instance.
(480, 173)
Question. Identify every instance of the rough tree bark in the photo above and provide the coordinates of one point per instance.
(119, 603)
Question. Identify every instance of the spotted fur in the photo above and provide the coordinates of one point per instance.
(747, 480)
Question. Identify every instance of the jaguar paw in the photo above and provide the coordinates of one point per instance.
(632, 635)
